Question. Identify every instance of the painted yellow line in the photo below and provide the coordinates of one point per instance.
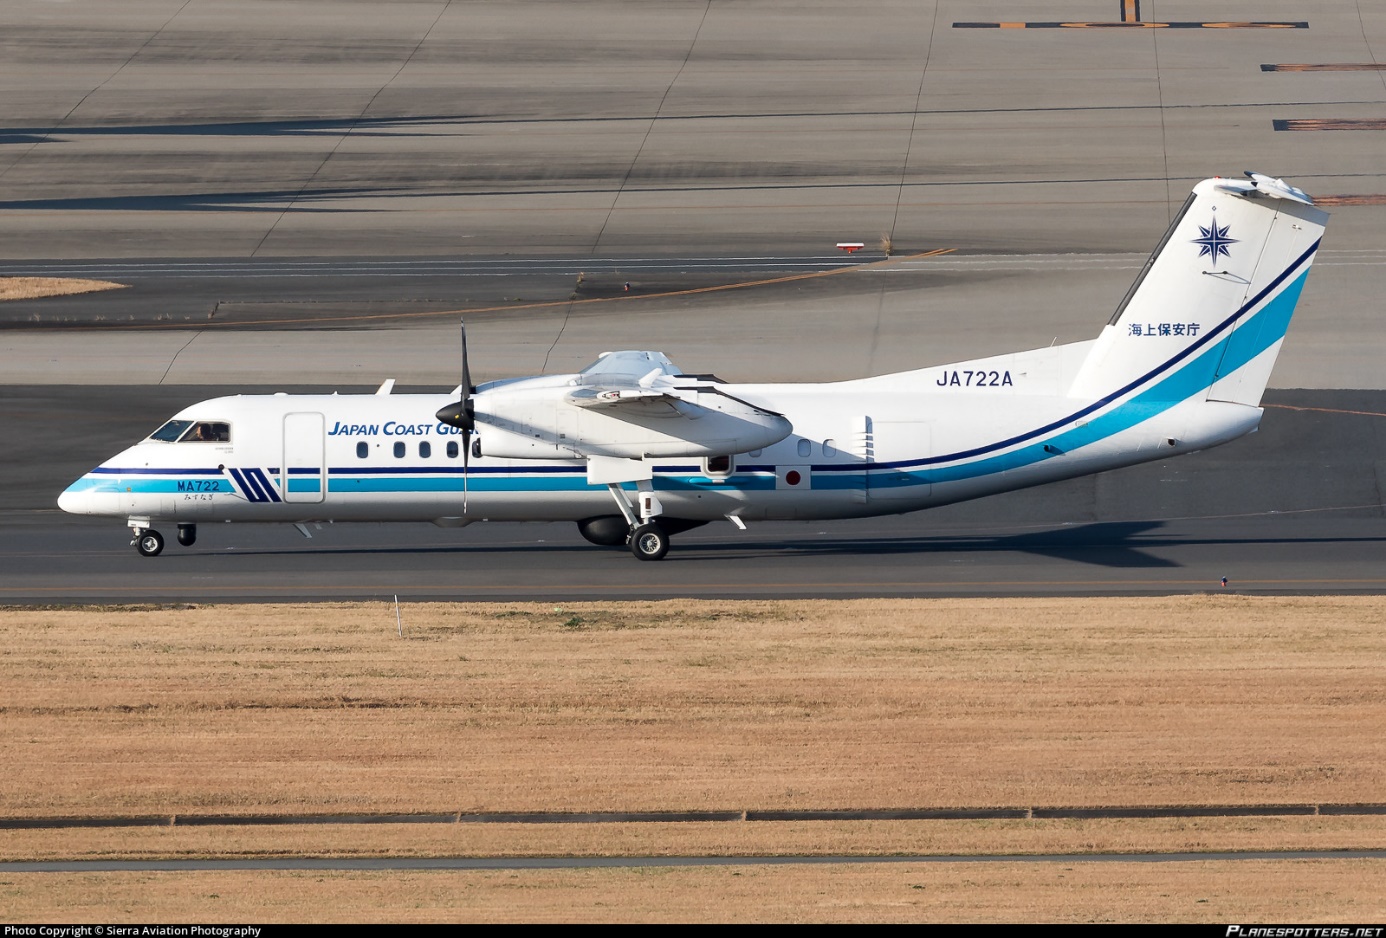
(1327, 410)
(549, 304)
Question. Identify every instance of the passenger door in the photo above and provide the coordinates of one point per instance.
(302, 478)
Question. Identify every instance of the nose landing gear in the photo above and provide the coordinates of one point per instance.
(148, 542)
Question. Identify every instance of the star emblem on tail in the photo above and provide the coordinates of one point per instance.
(1214, 241)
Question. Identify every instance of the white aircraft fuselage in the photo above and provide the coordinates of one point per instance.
(632, 445)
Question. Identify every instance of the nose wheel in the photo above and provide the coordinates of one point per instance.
(149, 543)
(649, 541)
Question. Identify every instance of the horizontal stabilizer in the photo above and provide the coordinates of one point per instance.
(1260, 184)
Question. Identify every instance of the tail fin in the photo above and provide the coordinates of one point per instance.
(1206, 316)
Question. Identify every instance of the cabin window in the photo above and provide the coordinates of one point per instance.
(452, 449)
(829, 447)
(805, 448)
(399, 449)
(718, 465)
(363, 449)
(207, 431)
(171, 431)
(425, 449)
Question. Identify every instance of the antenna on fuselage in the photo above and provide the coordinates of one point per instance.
(463, 416)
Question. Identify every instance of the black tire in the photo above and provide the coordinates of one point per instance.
(187, 534)
(150, 544)
(649, 542)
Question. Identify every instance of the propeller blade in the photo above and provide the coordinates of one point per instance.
(467, 388)
(466, 467)
(463, 413)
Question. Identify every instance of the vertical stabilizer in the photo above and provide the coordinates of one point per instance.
(1206, 316)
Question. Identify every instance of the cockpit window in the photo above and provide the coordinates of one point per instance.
(190, 431)
(170, 431)
(207, 431)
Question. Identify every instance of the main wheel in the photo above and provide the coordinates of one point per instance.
(187, 534)
(150, 543)
(649, 542)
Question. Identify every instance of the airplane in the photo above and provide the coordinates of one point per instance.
(635, 451)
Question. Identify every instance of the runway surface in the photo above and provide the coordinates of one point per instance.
(89, 563)
(748, 318)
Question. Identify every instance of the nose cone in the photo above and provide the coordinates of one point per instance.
(85, 497)
(72, 499)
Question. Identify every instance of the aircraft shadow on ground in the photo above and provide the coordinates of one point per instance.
(1106, 544)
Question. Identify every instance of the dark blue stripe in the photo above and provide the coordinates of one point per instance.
(116, 471)
(239, 479)
(270, 492)
(454, 470)
(252, 486)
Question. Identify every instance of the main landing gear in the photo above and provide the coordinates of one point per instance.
(648, 541)
(150, 543)
(646, 531)
(615, 531)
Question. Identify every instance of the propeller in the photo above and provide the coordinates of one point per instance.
(463, 416)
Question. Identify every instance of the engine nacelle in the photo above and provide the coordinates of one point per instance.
(503, 444)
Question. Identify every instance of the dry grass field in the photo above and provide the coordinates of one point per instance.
(1212, 891)
(33, 288)
(701, 706)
